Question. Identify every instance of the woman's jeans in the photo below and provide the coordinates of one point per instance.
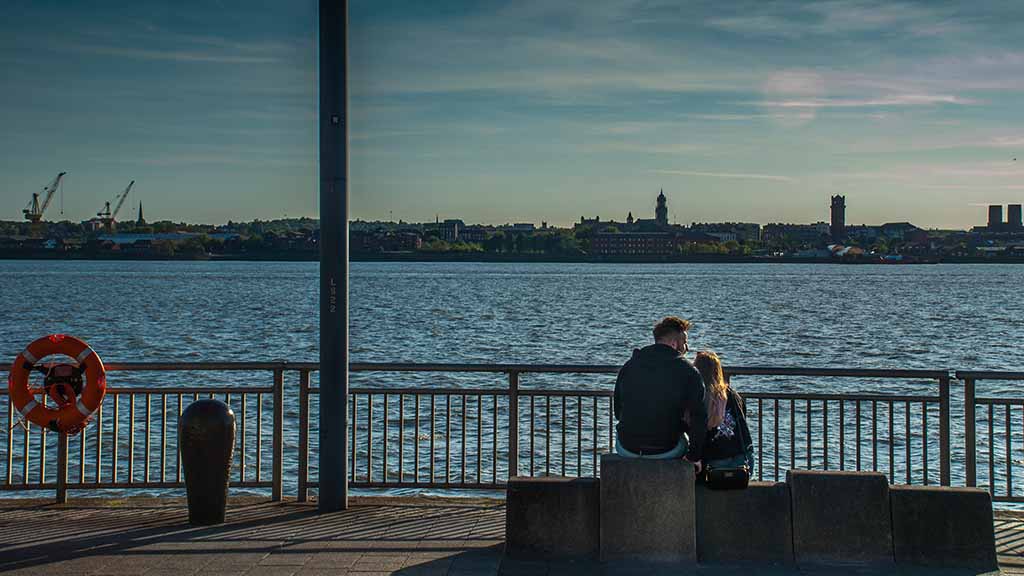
(679, 451)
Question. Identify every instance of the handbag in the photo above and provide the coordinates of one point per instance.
(726, 478)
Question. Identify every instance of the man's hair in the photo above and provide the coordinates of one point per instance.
(670, 325)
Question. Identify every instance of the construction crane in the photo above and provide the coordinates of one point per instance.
(34, 211)
(108, 216)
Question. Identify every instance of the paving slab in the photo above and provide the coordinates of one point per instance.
(104, 539)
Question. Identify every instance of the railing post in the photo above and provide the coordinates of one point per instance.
(62, 468)
(303, 433)
(278, 447)
(970, 453)
(944, 452)
(513, 423)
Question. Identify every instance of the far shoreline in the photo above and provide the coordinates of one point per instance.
(493, 259)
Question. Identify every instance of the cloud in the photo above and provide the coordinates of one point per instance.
(170, 54)
(940, 176)
(842, 17)
(895, 100)
(644, 148)
(972, 187)
(740, 176)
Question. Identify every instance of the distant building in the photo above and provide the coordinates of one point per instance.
(838, 227)
(739, 231)
(449, 230)
(799, 233)
(1013, 217)
(92, 225)
(383, 241)
(903, 231)
(995, 218)
(473, 234)
(634, 244)
(723, 236)
(661, 210)
(863, 234)
(524, 227)
(141, 221)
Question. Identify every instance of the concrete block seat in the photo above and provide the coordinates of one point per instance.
(840, 517)
(751, 525)
(933, 526)
(552, 517)
(647, 510)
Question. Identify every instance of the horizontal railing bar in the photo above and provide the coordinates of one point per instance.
(534, 368)
(837, 397)
(835, 372)
(124, 485)
(1000, 401)
(609, 393)
(189, 366)
(424, 391)
(979, 375)
(185, 390)
(499, 368)
(441, 485)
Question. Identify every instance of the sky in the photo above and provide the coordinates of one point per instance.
(522, 111)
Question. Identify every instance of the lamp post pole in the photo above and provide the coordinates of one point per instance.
(332, 123)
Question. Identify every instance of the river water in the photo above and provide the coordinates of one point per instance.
(935, 317)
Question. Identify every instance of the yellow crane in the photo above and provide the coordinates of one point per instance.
(34, 212)
(107, 215)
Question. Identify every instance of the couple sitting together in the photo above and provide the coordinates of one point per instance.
(669, 408)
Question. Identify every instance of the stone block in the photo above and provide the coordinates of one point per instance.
(647, 510)
(934, 526)
(552, 517)
(840, 517)
(752, 525)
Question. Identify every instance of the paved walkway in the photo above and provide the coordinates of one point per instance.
(375, 536)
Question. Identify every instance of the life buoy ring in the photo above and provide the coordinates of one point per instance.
(76, 398)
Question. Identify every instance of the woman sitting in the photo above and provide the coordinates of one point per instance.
(728, 443)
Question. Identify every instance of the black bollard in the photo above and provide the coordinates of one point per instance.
(206, 437)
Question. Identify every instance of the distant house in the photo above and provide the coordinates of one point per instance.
(725, 231)
(903, 231)
(449, 230)
(634, 244)
(801, 233)
(473, 234)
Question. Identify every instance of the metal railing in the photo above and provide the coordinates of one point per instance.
(132, 441)
(997, 416)
(428, 437)
(507, 420)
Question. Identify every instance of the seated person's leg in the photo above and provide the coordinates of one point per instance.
(622, 450)
(679, 451)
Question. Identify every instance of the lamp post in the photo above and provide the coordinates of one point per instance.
(332, 123)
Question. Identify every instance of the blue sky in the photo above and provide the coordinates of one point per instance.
(527, 110)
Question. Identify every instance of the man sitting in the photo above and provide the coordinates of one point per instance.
(655, 391)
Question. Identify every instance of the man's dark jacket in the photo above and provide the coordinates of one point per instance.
(654, 390)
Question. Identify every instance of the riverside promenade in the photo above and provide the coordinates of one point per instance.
(402, 536)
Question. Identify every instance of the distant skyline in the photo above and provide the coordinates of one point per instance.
(522, 111)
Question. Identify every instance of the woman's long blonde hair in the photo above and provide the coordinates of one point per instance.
(715, 385)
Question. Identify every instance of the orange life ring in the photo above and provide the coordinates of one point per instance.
(76, 398)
